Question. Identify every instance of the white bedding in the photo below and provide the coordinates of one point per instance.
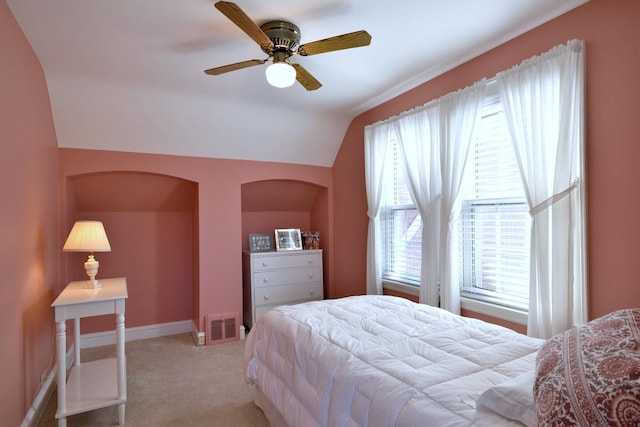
(381, 361)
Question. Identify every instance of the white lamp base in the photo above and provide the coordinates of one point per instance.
(91, 267)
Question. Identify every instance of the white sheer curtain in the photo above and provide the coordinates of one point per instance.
(459, 113)
(543, 100)
(418, 137)
(435, 141)
(376, 139)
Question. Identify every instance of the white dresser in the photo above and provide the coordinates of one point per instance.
(271, 279)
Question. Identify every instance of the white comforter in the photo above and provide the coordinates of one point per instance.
(381, 361)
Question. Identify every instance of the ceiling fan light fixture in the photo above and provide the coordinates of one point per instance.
(280, 74)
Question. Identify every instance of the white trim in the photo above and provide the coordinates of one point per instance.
(494, 310)
(137, 333)
(401, 287)
(35, 412)
(480, 307)
(198, 336)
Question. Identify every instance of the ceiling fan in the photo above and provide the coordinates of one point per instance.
(280, 40)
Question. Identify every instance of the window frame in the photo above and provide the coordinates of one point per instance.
(486, 305)
(386, 274)
(388, 210)
(492, 108)
(468, 287)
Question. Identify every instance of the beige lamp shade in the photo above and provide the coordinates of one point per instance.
(87, 236)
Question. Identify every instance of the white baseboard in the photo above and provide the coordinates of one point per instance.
(32, 419)
(40, 402)
(198, 336)
(138, 333)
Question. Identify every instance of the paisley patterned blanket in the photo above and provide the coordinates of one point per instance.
(590, 375)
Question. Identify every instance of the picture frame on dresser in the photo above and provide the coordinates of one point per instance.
(288, 239)
(260, 242)
(311, 240)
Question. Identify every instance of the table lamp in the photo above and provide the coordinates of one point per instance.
(88, 236)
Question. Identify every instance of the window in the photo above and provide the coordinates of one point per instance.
(494, 219)
(489, 253)
(401, 224)
(495, 222)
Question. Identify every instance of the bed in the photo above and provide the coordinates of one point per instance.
(386, 361)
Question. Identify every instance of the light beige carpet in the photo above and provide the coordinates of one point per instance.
(172, 382)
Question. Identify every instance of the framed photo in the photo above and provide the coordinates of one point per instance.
(311, 239)
(260, 242)
(288, 239)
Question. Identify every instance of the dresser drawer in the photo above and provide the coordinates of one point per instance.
(279, 295)
(287, 277)
(299, 260)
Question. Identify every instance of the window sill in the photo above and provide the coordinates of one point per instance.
(494, 310)
(401, 287)
(480, 307)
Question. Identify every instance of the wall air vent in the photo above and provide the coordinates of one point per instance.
(221, 328)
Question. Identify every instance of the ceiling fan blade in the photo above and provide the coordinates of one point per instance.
(238, 17)
(305, 78)
(232, 67)
(345, 41)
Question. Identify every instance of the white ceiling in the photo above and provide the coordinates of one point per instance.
(127, 75)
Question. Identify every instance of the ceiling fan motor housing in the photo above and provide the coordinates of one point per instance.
(284, 35)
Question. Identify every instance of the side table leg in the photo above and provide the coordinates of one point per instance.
(122, 366)
(76, 341)
(61, 341)
(121, 414)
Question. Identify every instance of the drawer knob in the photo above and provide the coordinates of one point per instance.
(265, 280)
(310, 260)
(266, 297)
(310, 275)
(265, 263)
(310, 291)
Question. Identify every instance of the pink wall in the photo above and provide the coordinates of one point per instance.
(611, 31)
(153, 251)
(29, 229)
(219, 235)
(321, 220)
(350, 229)
(272, 204)
(152, 219)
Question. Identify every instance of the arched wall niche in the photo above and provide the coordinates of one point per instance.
(151, 223)
(280, 203)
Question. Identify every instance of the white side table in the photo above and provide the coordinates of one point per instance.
(99, 383)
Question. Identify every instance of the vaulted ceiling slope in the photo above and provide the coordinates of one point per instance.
(129, 75)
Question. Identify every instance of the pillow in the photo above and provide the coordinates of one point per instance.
(590, 375)
(513, 399)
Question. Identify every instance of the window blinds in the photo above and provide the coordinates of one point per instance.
(495, 222)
